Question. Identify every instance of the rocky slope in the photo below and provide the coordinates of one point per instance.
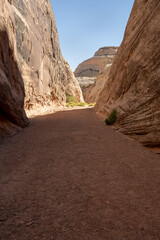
(87, 72)
(31, 63)
(133, 86)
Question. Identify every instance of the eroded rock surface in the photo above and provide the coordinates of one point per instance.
(87, 72)
(91, 92)
(12, 114)
(31, 63)
(133, 86)
(91, 66)
(46, 74)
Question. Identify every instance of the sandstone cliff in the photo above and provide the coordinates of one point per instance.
(12, 115)
(91, 92)
(87, 72)
(133, 86)
(91, 66)
(31, 63)
(46, 75)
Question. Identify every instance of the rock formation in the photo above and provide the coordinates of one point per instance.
(133, 85)
(91, 66)
(87, 72)
(91, 92)
(33, 71)
(12, 114)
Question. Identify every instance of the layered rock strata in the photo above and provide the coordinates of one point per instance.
(92, 91)
(33, 71)
(91, 66)
(133, 85)
(87, 72)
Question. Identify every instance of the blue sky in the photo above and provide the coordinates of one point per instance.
(86, 25)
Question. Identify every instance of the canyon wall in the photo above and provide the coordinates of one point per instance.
(133, 85)
(12, 114)
(33, 71)
(87, 72)
(92, 91)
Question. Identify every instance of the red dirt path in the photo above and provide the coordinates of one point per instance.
(70, 177)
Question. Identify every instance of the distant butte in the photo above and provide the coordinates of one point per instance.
(87, 72)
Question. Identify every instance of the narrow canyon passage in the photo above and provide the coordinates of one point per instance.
(68, 176)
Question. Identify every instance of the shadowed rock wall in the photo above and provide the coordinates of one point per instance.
(12, 114)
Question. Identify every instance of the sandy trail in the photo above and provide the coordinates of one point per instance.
(70, 177)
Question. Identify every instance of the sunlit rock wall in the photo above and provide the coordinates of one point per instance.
(33, 73)
(47, 76)
(133, 86)
(89, 73)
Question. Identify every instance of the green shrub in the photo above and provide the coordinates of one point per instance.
(70, 104)
(72, 101)
(112, 118)
(82, 104)
(92, 104)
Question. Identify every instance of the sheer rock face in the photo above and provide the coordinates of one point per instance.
(12, 114)
(33, 71)
(87, 72)
(133, 86)
(46, 74)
